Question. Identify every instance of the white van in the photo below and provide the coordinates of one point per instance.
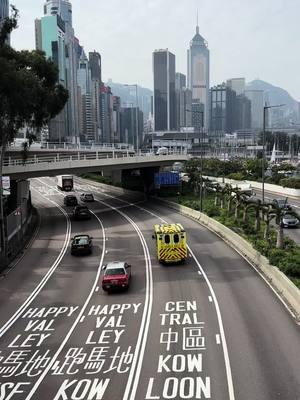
(162, 151)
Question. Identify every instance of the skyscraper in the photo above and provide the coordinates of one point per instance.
(63, 9)
(180, 81)
(198, 74)
(50, 37)
(86, 126)
(164, 90)
(237, 84)
(223, 113)
(106, 114)
(257, 107)
(183, 102)
(4, 10)
(95, 66)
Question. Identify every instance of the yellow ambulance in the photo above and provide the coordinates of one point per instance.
(171, 243)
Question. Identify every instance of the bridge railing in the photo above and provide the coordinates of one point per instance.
(55, 158)
(17, 145)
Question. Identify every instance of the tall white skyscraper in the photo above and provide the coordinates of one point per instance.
(198, 74)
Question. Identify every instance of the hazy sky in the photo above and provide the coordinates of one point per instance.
(246, 38)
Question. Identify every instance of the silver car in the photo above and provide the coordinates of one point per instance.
(290, 221)
(88, 197)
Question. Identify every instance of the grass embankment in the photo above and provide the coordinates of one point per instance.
(97, 178)
(287, 259)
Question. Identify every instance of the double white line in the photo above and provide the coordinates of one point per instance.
(135, 370)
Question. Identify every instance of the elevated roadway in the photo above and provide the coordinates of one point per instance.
(57, 164)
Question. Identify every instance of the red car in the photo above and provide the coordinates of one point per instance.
(117, 275)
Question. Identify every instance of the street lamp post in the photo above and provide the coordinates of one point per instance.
(136, 115)
(263, 149)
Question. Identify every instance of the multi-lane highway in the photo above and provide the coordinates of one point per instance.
(209, 329)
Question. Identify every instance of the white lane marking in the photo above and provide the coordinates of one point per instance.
(82, 318)
(210, 299)
(222, 332)
(135, 370)
(45, 279)
(295, 317)
(218, 339)
(83, 308)
(219, 317)
(199, 273)
(97, 289)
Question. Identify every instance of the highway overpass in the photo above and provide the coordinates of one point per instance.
(57, 164)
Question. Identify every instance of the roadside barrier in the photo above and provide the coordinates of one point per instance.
(280, 282)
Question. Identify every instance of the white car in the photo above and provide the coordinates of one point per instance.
(162, 151)
(88, 197)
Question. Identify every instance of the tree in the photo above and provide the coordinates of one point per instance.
(30, 95)
(239, 199)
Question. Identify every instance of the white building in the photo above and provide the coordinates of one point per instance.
(198, 73)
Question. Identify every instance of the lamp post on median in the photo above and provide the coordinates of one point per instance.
(136, 142)
(263, 149)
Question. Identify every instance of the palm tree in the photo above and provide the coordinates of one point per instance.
(239, 199)
(268, 214)
(256, 205)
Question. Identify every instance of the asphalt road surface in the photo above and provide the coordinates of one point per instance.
(209, 329)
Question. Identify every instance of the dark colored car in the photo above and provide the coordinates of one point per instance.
(87, 197)
(117, 275)
(289, 221)
(282, 203)
(81, 244)
(70, 200)
(81, 212)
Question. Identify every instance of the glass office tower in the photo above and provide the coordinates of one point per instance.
(164, 90)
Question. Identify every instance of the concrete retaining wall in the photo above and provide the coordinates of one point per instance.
(276, 189)
(283, 286)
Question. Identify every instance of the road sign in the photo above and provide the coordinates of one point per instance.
(166, 179)
(6, 185)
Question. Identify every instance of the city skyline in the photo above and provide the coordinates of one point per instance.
(264, 34)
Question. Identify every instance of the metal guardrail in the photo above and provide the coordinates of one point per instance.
(42, 159)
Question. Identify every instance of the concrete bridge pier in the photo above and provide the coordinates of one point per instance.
(115, 176)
